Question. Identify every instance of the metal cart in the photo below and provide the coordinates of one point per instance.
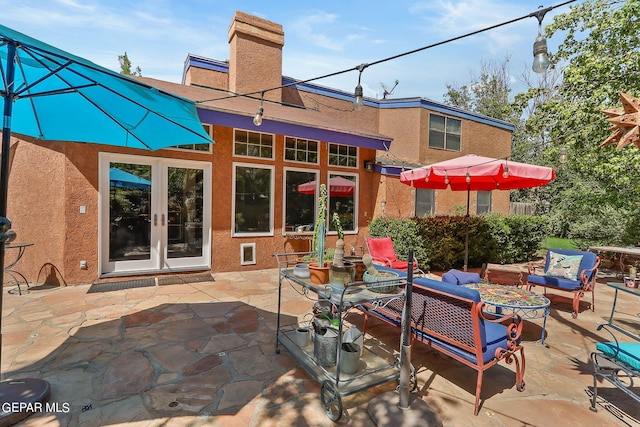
(381, 365)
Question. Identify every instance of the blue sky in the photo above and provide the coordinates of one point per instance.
(321, 37)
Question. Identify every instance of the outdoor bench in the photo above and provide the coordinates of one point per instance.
(567, 270)
(449, 318)
(617, 362)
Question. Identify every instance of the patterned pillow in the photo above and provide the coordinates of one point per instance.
(565, 266)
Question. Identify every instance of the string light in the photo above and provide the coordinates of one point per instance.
(257, 120)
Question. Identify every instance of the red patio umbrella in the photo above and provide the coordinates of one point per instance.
(338, 187)
(477, 173)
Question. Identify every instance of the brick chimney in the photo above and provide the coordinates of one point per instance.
(255, 61)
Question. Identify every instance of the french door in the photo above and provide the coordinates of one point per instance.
(155, 214)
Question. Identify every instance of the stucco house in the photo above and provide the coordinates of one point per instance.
(96, 212)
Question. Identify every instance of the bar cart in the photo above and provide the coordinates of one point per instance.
(381, 364)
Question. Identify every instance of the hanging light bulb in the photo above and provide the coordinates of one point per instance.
(446, 178)
(257, 120)
(467, 178)
(563, 155)
(505, 172)
(357, 101)
(358, 93)
(540, 54)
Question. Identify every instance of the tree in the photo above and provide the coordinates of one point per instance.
(599, 57)
(487, 94)
(125, 66)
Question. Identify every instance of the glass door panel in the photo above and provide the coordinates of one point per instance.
(185, 212)
(129, 212)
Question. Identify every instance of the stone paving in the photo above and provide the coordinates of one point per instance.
(202, 354)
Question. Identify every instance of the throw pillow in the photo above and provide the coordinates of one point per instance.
(565, 266)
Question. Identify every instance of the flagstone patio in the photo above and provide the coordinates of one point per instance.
(202, 354)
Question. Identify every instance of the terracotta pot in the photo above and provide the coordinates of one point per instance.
(319, 275)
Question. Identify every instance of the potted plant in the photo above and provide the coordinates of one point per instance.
(319, 271)
(341, 271)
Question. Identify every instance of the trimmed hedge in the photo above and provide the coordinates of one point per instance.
(439, 241)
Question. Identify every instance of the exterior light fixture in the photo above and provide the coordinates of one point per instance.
(540, 54)
(563, 155)
(368, 165)
(257, 120)
(358, 93)
(383, 205)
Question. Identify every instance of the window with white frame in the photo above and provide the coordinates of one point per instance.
(253, 203)
(253, 144)
(425, 201)
(300, 195)
(199, 147)
(483, 204)
(342, 199)
(343, 155)
(301, 150)
(444, 132)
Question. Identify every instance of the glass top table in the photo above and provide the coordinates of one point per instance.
(524, 303)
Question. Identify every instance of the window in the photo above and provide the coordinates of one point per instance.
(444, 132)
(253, 144)
(199, 147)
(342, 199)
(425, 201)
(300, 194)
(300, 150)
(343, 155)
(253, 208)
(484, 202)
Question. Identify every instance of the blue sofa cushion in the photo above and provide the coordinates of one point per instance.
(460, 277)
(448, 287)
(496, 334)
(629, 353)
(556, 282)
(589, 260)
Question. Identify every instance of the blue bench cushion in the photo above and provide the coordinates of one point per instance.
(629, 353)
(460, 277)
(402, 273)
(557, 282)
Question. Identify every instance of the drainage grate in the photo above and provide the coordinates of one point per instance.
(185, 278)
(118, 286)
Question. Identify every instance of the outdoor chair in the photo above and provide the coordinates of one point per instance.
(567, 270)
(382, 251)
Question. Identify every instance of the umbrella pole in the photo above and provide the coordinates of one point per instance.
(21, 393)
(405, 410)
(466, 238)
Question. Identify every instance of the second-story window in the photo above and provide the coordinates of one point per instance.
(253, 144)
(484, 202)
(300, 150)
(444, 132)
(343, 155)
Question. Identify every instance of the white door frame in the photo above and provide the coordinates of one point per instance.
(158, 262)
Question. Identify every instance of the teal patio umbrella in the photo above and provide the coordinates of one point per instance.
(50, 94)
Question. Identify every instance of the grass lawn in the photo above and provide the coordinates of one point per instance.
(558, 243)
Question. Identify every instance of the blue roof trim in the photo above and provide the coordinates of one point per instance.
(206, 63)
(291, 129)
(416, 102)
(388, 170)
